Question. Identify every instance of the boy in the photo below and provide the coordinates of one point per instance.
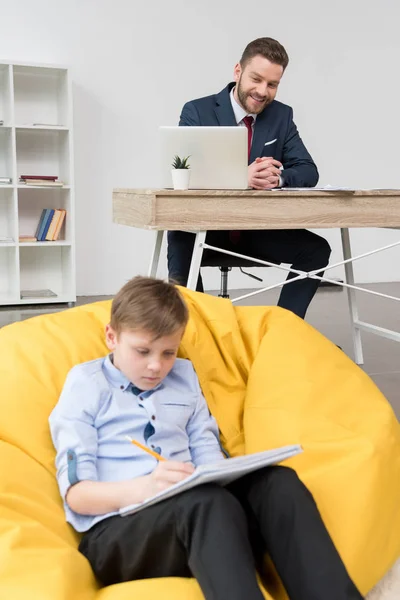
(212, 533)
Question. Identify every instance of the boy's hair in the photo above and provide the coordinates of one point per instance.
(149, 304)
(268, 48)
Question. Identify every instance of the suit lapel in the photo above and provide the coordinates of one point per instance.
(261, 133)
(223, 108)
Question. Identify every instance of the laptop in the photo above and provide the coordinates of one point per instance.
(218, 156)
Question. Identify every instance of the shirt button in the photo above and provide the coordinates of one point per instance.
(152, 446)
(121, 387)
(153, 417)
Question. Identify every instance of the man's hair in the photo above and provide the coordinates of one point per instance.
(149, 304)
(268, 48)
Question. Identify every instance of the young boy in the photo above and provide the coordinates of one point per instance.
(215, 534)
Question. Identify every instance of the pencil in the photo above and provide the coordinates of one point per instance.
(139, 445)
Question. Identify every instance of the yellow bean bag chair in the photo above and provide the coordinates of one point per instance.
(270, 380)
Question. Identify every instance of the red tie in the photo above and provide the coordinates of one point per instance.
(248, 121)
(234, 236)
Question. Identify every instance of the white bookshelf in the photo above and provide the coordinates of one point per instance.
(36, 138)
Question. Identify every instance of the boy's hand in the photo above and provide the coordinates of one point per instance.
(139, 489)
(102, 497)
(167, 473)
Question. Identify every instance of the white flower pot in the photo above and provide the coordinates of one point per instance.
(180, 179)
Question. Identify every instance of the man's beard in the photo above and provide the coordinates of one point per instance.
(242, 95)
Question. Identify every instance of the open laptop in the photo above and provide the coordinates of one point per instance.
(218, 156)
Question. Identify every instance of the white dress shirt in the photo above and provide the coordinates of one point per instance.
(240, 113)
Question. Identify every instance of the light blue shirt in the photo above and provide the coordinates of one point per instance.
(98, 406)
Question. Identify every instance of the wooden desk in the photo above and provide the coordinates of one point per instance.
(202, 210)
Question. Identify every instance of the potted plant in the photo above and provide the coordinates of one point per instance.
(180, 173)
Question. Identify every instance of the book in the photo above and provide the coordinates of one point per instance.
(48, 177)
(59, 224)
(40, 223)
(27, 238)
(37, 294)
(46, 224)
(37, 183)
(53, 224)
(222, 472)
(42, 182)
(46, 125)
(6, 239)
(43, 224)
(5, 180)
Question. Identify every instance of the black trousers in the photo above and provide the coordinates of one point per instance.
(219, 535)
(300, 248)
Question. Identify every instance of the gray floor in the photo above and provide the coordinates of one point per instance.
(328, 313)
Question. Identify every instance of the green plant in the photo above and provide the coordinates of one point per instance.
(180, 163)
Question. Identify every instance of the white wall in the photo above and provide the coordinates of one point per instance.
(134, 64)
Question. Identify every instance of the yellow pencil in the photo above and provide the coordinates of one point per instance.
(139, 445)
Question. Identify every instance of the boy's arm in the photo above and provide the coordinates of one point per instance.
(203, 432)
(102, 497)
(72, 426)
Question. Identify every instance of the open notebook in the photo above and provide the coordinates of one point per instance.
(222, 472)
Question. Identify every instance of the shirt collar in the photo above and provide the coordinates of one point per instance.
(114, 375)
(239, 111)
(118, 379)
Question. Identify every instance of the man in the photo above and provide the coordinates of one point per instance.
(277, 157)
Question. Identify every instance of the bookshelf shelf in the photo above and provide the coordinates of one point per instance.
(23, 186)
(46, 268)
(52, 300)
(44, 244)
(40, 95)
(43, 152)
(31, 202)
(40, 128)
(36, 138)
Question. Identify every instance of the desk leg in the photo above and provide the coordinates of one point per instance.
(351, 296)
(196, 260)
(155, 257)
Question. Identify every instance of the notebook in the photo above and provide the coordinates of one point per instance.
(222, 472)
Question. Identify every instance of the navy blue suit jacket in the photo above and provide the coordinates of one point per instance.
(275, 122)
